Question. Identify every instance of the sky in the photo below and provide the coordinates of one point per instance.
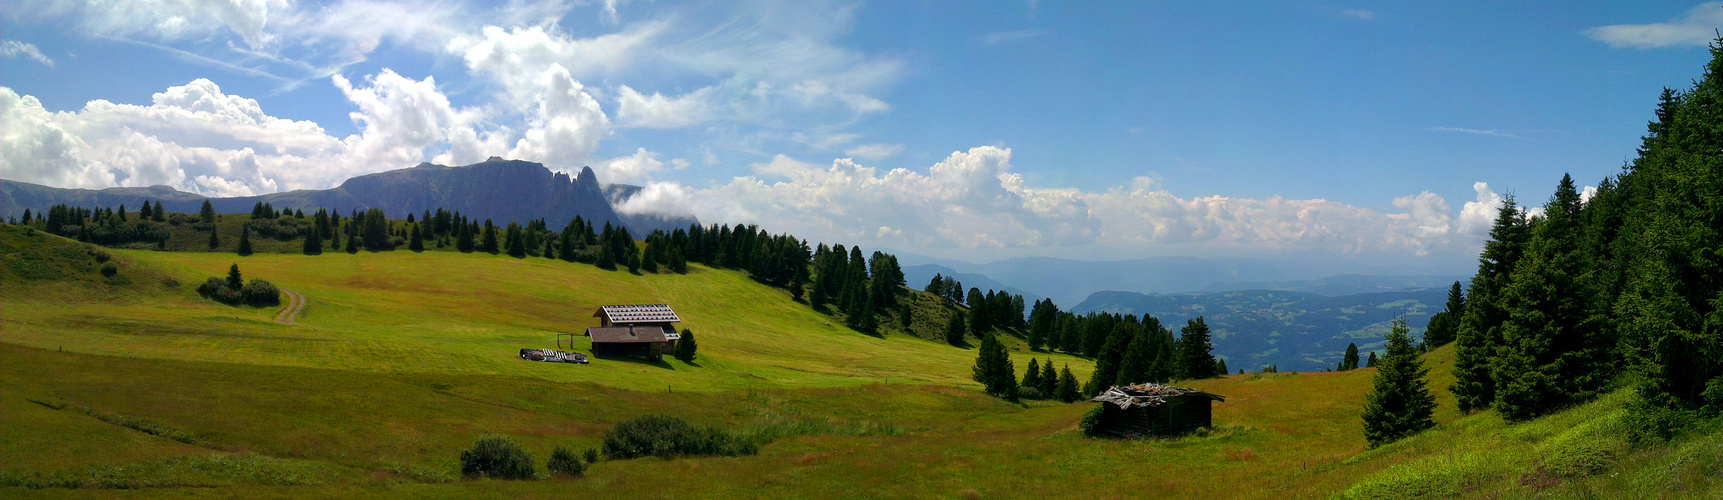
(1371, 131)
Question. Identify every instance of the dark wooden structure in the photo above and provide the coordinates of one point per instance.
(1154, 409)
(646, 331)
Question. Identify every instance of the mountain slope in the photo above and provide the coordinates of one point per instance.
(496, 189)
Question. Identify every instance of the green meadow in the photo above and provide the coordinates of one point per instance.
(132, 385)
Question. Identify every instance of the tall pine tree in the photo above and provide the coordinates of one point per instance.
(1479, 334)
(1399, 403)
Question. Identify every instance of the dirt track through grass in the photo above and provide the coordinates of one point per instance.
(296, 303)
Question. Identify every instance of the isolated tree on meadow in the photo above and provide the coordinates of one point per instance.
(1399, 403)
(1350, 360)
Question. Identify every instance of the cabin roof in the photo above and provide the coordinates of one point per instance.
(1147, 395)
(654, 313)
(626, 334)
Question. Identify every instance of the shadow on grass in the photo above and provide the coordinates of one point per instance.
(629, 358)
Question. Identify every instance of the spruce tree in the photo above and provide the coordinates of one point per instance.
(313, 243)
(1032, 376)
(245, 240)
(352, 243)
(1399, 403)
(488, 243)
(207, 213)
(1049, 379)
(954, 330)
(417, 244)
(234, 279)
(1220, 367)
(464, 239)
(679, 265)
(993, 368)
(1371, 363)
(1067, 389)
(1555, 348)
(214, 241)
(1196, 361)
(1139, 358)
(160, 214)
(606, 259)
(516, 246)
(978, 312)
(634, 262)
(1444, 325)
(1350, 360)
(1479, 335)
(686, 347)
(549, 251)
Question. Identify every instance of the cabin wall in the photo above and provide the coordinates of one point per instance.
(1175, 416)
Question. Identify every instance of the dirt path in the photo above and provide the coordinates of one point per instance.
(296, 303)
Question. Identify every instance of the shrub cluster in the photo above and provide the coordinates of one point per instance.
(666, 436)
(498, 457)
(278, 229)
(563, 462)
(1091, 422)
(256, 293)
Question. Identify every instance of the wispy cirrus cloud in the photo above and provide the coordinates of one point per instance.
(1008, 36)
(1695, 28)
(14, 48)
(1474, 131)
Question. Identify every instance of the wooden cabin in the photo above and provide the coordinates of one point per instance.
(646, 331)
(1154, 409)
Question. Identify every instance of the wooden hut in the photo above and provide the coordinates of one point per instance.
(1154, 409)
(647, 331)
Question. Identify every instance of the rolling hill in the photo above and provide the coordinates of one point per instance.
(133, 385)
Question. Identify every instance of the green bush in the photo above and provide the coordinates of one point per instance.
(563, 462)
(592, 455)
(497, 457)
(1091, 422)
(109, 270)
(1030, 393)
(665, 436)
(257, 293)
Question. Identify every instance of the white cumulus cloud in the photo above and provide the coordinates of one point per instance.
(1695, 28)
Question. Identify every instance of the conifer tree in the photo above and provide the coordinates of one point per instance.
(1049, 379)
(993, 368)
(234, 279)
(160, 214)
(489, 242)
(606, 259)
(1444, 325)
(1195, 356)
(679, 265)
(1220, 367)
(634, 262)
(313, 242)
(352, 242)
(549, 251)
(1067, 389)
(464, 239)
(648, 262)
(214, 241)
(1399, 403)
(1371, 363)
(1555, 348)
(417, 244)
(954, 330)
(1139, 358)
(1032, 376)
(516, 241)
(978, 312)
(1350, 360)
(1479, 333)
(207, 213)
(686, 347)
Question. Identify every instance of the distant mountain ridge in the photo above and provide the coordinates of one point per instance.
(1295, 330)
(496, 189)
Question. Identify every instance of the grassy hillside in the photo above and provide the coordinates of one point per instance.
(401, 360)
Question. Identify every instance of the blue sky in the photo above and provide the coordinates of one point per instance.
(1082, 130)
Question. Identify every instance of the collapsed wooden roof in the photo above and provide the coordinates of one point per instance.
(654, 313)
(1146, 395)
(629, 334)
